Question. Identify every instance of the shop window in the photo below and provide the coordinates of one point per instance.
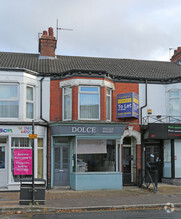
(177, 158)
(29, 102)
(108, 104)
(89, 103)
(21, 159)
(96, 156)
(167, 159)
(40, 158)
(9, 101)
(67, 103)
(2, 157)
(174, 105)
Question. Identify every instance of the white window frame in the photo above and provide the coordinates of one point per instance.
(63, 103)
(88, 92)
(12, 100)
(110, 96)
(30, 101)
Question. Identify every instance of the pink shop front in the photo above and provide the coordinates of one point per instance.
(16, 154)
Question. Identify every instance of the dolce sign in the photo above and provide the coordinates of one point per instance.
(83, 129)
(87, 129)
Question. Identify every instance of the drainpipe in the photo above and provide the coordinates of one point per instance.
(41, 100)
(145, 101)
(142, 142)
(41, 117)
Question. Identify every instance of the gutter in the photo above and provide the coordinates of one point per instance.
(142, 141)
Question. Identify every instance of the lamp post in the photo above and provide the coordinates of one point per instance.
(33, 166)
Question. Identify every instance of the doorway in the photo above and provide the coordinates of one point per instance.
(61, 166)
(154, 158)
(3, 162)
(126, 165)
(129, 161)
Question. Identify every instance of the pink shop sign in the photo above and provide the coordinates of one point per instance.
(23, 162)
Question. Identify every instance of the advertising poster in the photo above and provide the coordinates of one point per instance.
(23, 162)
(127, 105)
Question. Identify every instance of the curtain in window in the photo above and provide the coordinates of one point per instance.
(29, 110)
(67, 103)
(29, 93)
(9, 109)
(89, 106)
(67, 107)
(8, 91)
(108, 107)
(8, 101)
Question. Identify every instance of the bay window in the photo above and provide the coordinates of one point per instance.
(89, 102)
(67, 103)
(29, 102)
(9, 101)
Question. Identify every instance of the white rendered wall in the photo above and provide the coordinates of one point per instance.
(156, 99)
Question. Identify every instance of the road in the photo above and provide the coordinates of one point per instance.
(148, 214)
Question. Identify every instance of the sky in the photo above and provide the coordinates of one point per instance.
(126, 29)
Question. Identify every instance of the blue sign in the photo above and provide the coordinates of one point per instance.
(128, 105)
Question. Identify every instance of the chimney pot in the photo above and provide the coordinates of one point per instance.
(50, 31)
(45, 33)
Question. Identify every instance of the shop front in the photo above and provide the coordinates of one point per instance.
(86, 156)
(16, 155)
(162, 144)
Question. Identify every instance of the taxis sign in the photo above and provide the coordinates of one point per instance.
(128, 105)
(32, 136)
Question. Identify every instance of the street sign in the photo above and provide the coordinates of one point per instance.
(32, 136)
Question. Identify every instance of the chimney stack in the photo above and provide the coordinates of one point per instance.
(47, 44)
(177, 55)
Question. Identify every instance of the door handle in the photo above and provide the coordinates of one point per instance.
(61, 170)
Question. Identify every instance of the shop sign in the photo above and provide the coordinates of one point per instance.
(23, 162)
(163, 131)
(86, 129)
(6, 130)
(128, 105)
(25, 129)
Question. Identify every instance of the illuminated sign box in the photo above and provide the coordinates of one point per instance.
(128, 105)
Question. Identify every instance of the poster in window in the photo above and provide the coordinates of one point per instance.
(23, 162)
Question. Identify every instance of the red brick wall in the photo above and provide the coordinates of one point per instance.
(74, 103)
(55, 101)
(121, 88)
(103, 103)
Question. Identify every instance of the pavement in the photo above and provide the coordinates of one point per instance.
(62, 199)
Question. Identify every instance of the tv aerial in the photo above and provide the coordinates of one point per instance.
(60, 28)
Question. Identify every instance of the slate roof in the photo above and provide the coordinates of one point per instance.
(113, 66)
